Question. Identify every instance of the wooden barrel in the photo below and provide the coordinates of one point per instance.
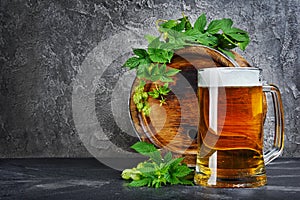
(173, 126)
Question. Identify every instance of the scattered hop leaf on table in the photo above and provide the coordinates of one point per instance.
(157, 170)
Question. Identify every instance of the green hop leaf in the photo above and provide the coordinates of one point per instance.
(132, 63)
(172, 72)
(200, 23)
(141, 53)
(214, 26)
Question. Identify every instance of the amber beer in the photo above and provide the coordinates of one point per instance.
(230, 135)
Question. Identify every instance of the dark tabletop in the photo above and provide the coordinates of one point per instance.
(89, 179)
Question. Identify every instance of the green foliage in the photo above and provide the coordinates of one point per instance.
(150, 63)
(218, 34)
(157, 170)
(155, 72)
(160, 92)
(200, 23)
(141, 58)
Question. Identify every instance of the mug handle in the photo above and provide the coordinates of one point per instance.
(278, 144)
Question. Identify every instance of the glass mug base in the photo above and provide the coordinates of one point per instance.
(231, 168)
(230, 177)
(228, 182)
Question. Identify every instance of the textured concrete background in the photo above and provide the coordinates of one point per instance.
(44, 45)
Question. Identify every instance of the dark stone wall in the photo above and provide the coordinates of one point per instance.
(46, 45)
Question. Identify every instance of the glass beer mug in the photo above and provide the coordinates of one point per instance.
(232, 104)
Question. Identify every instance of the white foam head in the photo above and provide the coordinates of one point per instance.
(229, 76)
